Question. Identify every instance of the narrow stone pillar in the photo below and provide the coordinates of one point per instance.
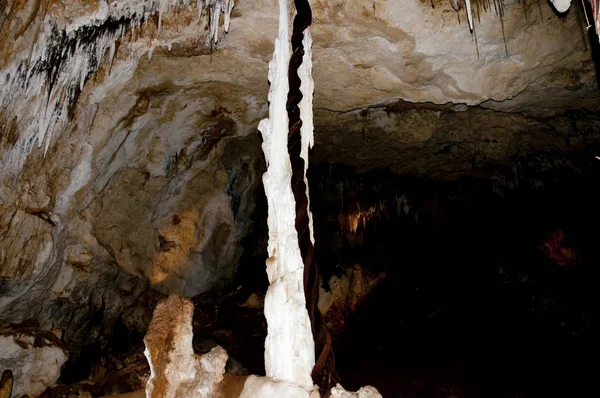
(289, 347)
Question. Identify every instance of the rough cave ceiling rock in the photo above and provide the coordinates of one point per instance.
(367, 56)
(149, 176)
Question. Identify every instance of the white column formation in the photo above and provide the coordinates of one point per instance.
(289, 348)
(596, 11)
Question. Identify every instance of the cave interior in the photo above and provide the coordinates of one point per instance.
(452, 187)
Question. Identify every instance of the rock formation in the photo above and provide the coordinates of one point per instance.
(345, 295)
(35, 359)
(84, 221)
(365, 392)
(138, 137)
(6, 383)
(175, 370)
(289, 349)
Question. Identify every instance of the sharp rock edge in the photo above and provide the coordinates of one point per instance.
(39, 89)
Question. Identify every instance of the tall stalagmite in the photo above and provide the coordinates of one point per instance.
(289, 348)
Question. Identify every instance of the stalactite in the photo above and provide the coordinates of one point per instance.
(469, 14)
(560, 5)
(501, 15)
(50, 77)
(214, 8)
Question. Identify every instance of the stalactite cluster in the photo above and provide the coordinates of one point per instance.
(40, 88)
(474, 8)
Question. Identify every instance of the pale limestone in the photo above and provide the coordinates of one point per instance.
(35, 365)
(364, 392)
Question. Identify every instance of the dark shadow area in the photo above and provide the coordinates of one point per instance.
(80, 365)
(251, 275)
(491, 284)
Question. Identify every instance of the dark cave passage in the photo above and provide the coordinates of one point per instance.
(489, 287)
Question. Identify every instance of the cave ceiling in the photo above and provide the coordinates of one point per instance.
(375, 64)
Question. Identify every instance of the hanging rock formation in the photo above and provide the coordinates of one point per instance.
(289, 348)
